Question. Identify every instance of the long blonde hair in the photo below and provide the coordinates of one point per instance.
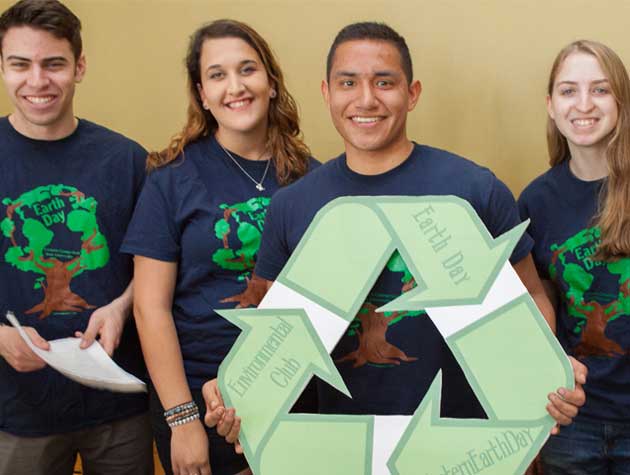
(613, 216)
(284, 138)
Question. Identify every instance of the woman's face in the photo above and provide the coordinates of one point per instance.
(234, 86)
(582, 104)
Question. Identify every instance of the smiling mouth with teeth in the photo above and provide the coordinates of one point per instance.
(237, 104)
(39, 99)
(583, 122)
(365, 120)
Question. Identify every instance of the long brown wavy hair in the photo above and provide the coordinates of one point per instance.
(284, 138)
(613, 216)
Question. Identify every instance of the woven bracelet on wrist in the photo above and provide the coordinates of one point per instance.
(184, 420)
(180, 408)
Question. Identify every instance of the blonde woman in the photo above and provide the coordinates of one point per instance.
(580, 221)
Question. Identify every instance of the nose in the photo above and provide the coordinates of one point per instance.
(235, 85)
(368, 98)
(37, 77)
(585, 101)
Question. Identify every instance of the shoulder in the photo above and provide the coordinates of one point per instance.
(318, 175)
(443, 162)
(180, 171)
(102, 136)
(313, 163)
(541, 186)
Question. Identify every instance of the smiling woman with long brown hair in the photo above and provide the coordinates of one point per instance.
(197, 227)
(580, 220)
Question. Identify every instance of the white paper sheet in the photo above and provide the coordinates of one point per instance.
(91, 367)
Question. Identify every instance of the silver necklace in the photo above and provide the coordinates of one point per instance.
(259, 184)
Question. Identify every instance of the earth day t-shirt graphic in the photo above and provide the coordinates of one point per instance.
(243, 223)
(54, 234)
(573, 267)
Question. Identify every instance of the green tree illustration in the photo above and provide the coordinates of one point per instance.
(248, 219)
(31, 222)
(592, 311)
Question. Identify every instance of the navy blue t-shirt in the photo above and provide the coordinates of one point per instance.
(65, 206)
(593, 317)
(204, 213)
(397, 383)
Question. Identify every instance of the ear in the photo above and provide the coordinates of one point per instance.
(549, 108)
(80, 68)
(415, 89)
(202, 94)
(325, 92)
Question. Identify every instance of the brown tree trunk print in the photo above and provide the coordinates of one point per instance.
(594, 340)
(373, 344)
(57, 294)
(227, 213)
(252, 295)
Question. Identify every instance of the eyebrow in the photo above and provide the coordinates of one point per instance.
(242, 63)
(44, 61)
(385, 73)
(573, 83)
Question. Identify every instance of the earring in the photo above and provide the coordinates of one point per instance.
(205, 106)
(273, 93)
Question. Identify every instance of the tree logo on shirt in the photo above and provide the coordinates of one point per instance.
(371, 327)
(53, 232)
(573, 263)
(240, 231)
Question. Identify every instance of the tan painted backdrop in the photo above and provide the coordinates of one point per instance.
(483, 65)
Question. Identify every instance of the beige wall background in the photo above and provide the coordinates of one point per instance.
(483, 65)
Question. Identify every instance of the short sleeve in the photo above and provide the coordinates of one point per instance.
(274, 251)
(525, 212)
(139, 159)
(152, 231)
(502, 214)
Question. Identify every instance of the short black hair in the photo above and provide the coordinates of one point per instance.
(48, 15)
(370, 30)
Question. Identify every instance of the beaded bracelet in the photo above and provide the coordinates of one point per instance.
(185, 420)
(180, 408)
(182, 415)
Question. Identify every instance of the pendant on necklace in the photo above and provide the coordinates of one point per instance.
(259, 187)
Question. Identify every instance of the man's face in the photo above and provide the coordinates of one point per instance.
(368, 96)
(40, 73)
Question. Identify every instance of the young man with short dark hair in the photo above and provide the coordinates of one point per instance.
(369, 91)
(68, 191)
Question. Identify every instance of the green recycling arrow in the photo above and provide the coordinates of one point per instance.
(455, 263)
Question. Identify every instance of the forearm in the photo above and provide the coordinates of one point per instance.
(526, 271)
(163, 355)
(546, 308)
(154, 285)
(125, 300)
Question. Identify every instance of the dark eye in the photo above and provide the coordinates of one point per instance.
(347, 83)
(216, 75)
(19, 65)
(383, 83)
(247, 70)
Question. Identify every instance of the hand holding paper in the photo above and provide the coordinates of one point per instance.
(16, 351)
(91, 367)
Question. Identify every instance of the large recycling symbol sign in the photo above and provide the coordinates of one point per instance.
(467, 287)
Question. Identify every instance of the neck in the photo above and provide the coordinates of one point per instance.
(252, 145)
(377, 162)
(588, 164)
(56, 131)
